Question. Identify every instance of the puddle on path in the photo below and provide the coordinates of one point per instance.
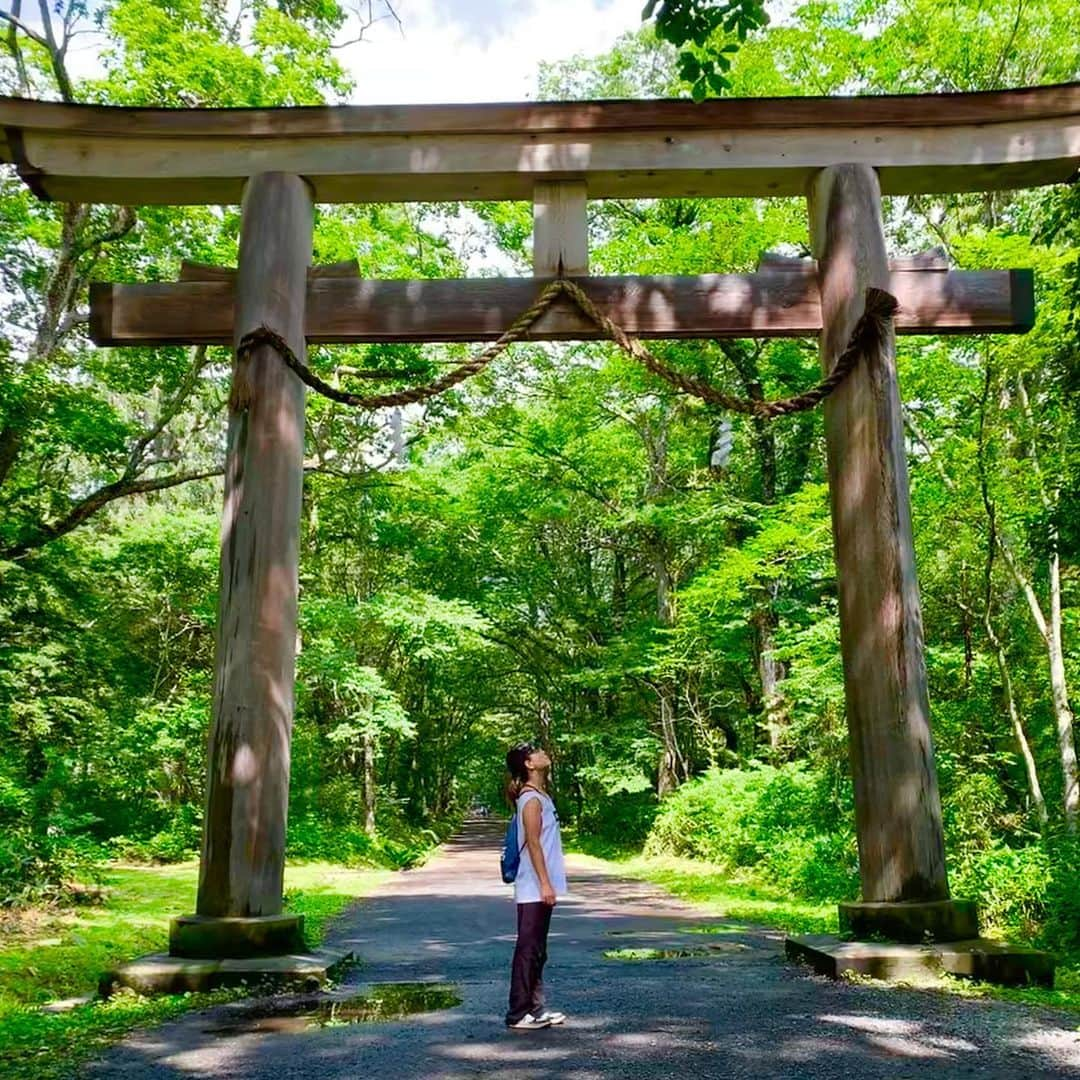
(381, 1002)
(718, 928)
(713, 928)
(675, 954)
(642, 933)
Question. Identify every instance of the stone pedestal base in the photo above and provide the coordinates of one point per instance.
(161, 973)
(202, 937)
(990, 961)
(916, 922)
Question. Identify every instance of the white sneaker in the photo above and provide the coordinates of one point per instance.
(529, 1022)
(553, 1017)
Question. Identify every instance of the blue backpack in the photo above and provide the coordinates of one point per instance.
(510, 859)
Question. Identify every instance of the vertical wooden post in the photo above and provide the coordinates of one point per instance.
(248, 782)
(560, 236)
(897, 805)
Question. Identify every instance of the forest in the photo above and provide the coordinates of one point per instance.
(563, 549)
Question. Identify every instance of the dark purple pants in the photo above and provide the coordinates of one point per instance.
(527, 969)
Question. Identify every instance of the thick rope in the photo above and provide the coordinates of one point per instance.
(868, 336)
(514, 332)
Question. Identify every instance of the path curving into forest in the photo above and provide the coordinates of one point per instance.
(742, 1012)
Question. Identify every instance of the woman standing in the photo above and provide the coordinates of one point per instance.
(541, 878)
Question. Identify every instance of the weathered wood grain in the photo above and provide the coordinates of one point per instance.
(897, 806)
(560, 236)
(243, 854)
(733, 147)
(196, 271)
(773, 303)
(934, 259)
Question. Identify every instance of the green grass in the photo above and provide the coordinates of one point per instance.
(716, 892)
(1065, 994)
(52, 954)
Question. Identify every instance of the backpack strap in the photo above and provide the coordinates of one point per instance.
(526, 787)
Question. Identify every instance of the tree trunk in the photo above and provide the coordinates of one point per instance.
(771, 671)
(369, 784)
(1017, 724)
(668, 773)
(1063, 717)
(763, 618)
(994, 542)
(672, 769)
(1049, 629)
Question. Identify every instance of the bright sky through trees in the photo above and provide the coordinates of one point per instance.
(480, 50)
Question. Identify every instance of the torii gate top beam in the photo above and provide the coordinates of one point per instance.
(728, 147)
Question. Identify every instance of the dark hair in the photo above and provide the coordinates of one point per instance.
(519, 772)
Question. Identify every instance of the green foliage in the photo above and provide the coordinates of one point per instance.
(1010, 885)
(197, 53)
(395, 846)
(181, 839)
(781, 823)
(725, 896)
(697, 23)
(47, 865)
(1061, 928)
(56, 953)
(618, 823)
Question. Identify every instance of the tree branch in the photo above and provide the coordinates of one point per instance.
(1033, 450)
(991, 513)
(1003, 58)
(16, 23)
(56, 53)
(135, 463)
(13, 45)
(920, 437)
(82, 510)
(124, 221)
(70, 321)
(366, 23)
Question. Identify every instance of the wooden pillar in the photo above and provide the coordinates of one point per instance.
(248, 781)
(897, 805)
(560, 236)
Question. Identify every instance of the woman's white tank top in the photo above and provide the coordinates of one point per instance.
(527, 883)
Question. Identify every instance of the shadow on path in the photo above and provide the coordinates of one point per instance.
(742, 1012)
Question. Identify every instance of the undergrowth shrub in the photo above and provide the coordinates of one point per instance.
(311, 836)
(824, 866)
(1028, 893)
(179, 840)
(47, 865)
(1010, 885)
(783, 825)
(1061, 929)
(619, 822)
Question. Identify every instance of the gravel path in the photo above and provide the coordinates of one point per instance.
(742, 1012)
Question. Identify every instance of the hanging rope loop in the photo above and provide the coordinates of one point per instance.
(868, 337)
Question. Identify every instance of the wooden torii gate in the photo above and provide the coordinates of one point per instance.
(842, 154)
